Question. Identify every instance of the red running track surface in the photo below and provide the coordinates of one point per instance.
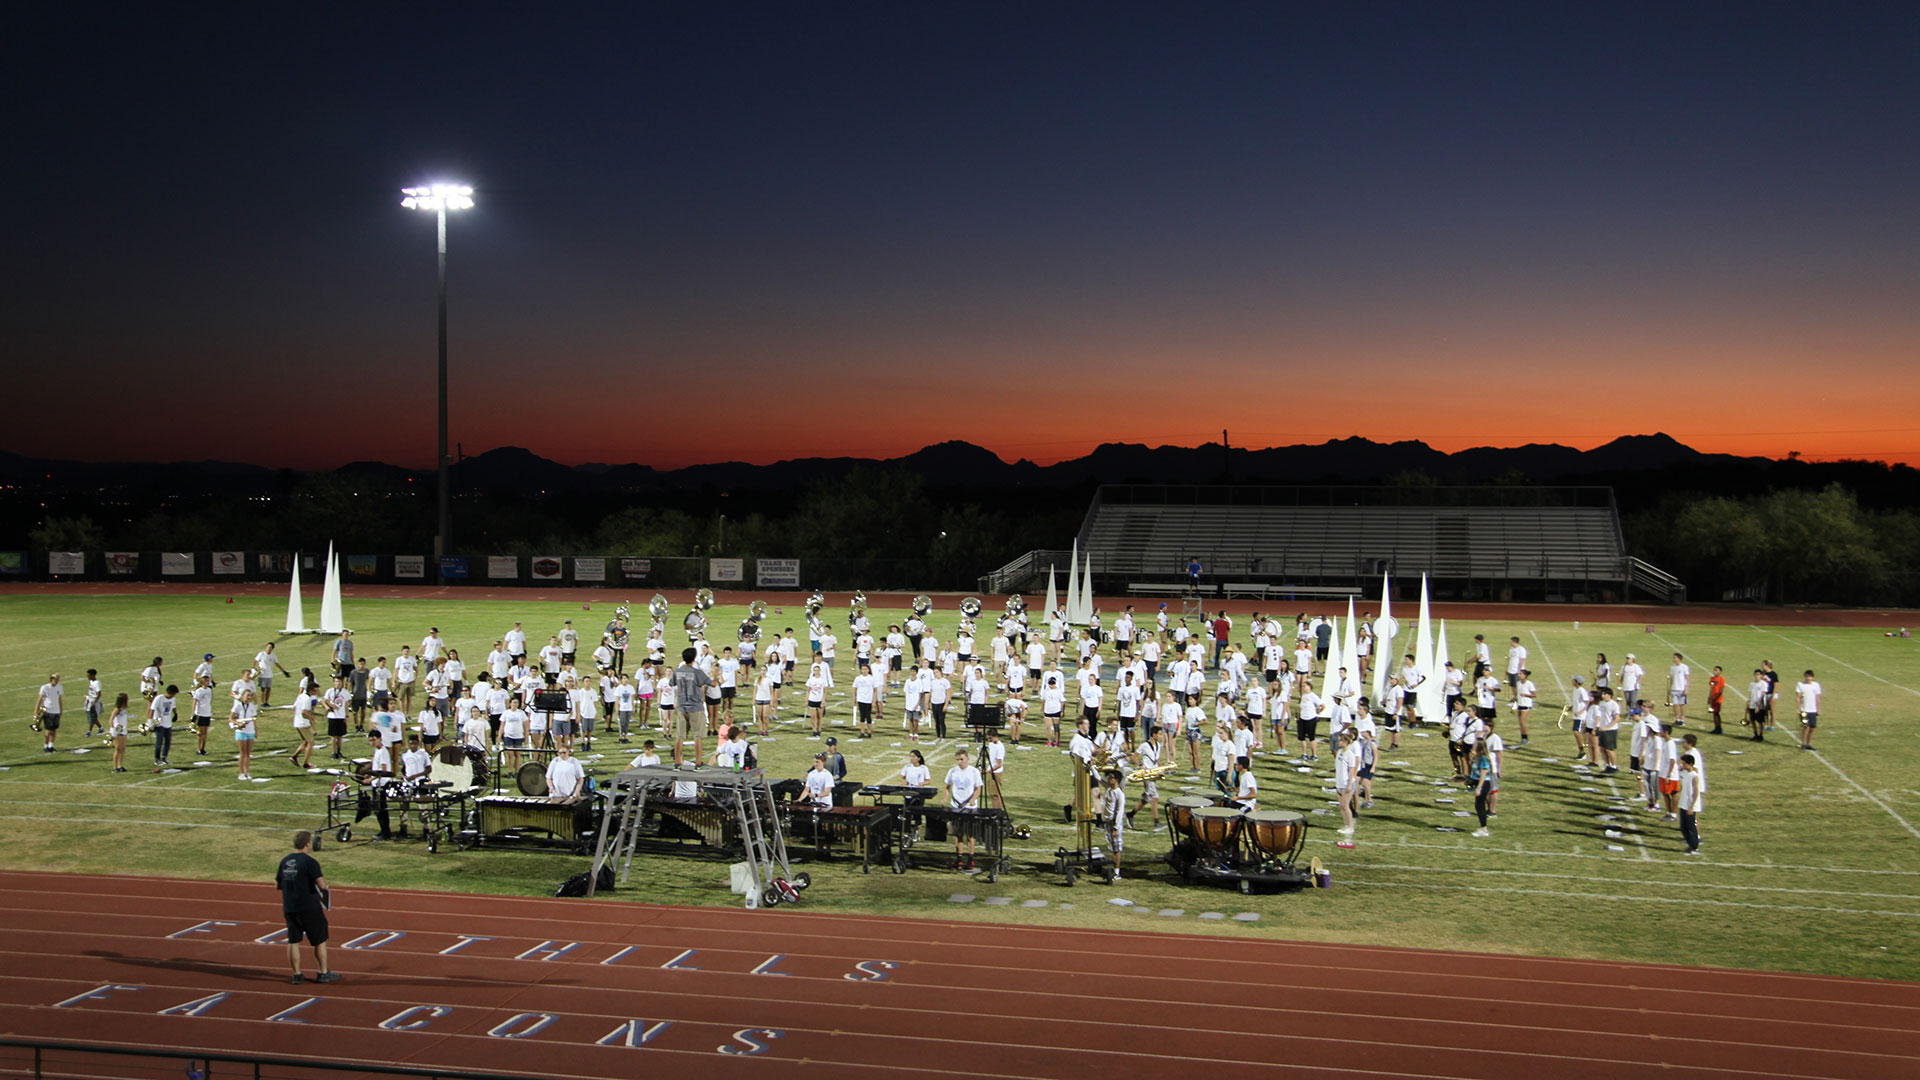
(574, 988)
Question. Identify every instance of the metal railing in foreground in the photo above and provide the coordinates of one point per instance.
(48, 1059)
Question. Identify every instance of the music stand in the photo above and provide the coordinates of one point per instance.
(985, 720)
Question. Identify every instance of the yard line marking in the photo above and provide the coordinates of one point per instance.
(138, 821)
(155, 806)
(1568, 696)
(1479, 849)
(1837, 660)
(1617, 881)
(1822, 758)
(1638, 899)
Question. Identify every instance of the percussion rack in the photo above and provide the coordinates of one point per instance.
(751, 794)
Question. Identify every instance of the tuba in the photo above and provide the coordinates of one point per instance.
(657, 607)
(703, 599)
(816, 602)
(856, 607)
(922, 605)
(1016, 604)
(970, 607)
(757, 610)
(749, 631)
(695, 623)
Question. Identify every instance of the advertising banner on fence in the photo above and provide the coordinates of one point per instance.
(66, 562)
(363, 566)
(274, 562)
(409, 566)
(546, 567)
(636, 569)
(13, 563)
(453, 566)
(777, 573)
(503, 566)
(229, 563)
(123, 563)
(176, 563)
(589, 568)
(726, 569)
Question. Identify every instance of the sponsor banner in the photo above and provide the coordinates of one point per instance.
(409, 566)
(546, 567)
(589, 568)
(363, 566)
(454, 566)
(176, 563)
(503, 566)
(274, 562)
(776, 573)
(66, 562)
(726, 569)
(636, 569)
(13, 563)
(123, 563)
(229, 563)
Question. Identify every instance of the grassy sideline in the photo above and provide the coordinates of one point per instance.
(1808, 864)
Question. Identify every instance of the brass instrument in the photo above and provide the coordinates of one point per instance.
(657, 607)
(815, 602)
(623, 613)
(695, 623)
(922, 604)
(1016, 604)
(749, 631)
(1141, 776)
(856, 607)
(757, 610)
(970, 607)
(703, 599)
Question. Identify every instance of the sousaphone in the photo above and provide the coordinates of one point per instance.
(922, 605)
(757, 610)
(970, 607)
(658, 607)
(856, 607)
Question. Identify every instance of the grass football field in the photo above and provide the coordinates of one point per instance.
(1811, 861)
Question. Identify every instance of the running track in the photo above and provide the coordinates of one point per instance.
(559, 988)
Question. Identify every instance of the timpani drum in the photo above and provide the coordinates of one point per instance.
(1180, 813)
(1274, 834)
(1217, 828)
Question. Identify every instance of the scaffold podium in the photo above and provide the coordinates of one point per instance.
(747, 790)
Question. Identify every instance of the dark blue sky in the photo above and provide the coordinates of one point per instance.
(713, 231)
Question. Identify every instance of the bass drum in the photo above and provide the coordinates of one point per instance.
(450, 766)
(477, 758)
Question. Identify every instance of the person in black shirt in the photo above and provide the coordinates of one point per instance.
(302, 898)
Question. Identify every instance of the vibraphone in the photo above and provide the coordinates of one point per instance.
(501, 821)
(869, 829)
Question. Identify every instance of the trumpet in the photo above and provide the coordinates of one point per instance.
(922, 604)
(657, 607)
(970, 607)
(703, 599)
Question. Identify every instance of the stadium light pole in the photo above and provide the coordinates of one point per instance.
(437, 199)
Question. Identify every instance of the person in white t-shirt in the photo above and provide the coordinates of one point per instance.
(417, 761)
(963, 785)
(819, 783)
(1631, 673)
(566, 778)
(513, 733)
(1677, 678)
(1807, 692)
(866, 690)
(474, 731)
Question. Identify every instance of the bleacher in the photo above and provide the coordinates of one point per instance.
(1259, 541)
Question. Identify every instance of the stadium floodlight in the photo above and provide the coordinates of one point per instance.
(437, 199)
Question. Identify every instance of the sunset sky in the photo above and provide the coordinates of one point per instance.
(747, 232)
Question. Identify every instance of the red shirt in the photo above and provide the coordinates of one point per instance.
(1222, 630)
(1716, 687)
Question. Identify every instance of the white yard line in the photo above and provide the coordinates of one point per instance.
(1837, 660)
(1609, 897)
(152, 807)
(138, 821)
(1495, 850)
(1822, 758)
(1799, 889)
(1567, 695)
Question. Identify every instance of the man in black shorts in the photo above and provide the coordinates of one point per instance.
(302, 891)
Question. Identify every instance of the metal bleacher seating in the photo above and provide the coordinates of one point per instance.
(1325, 541)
